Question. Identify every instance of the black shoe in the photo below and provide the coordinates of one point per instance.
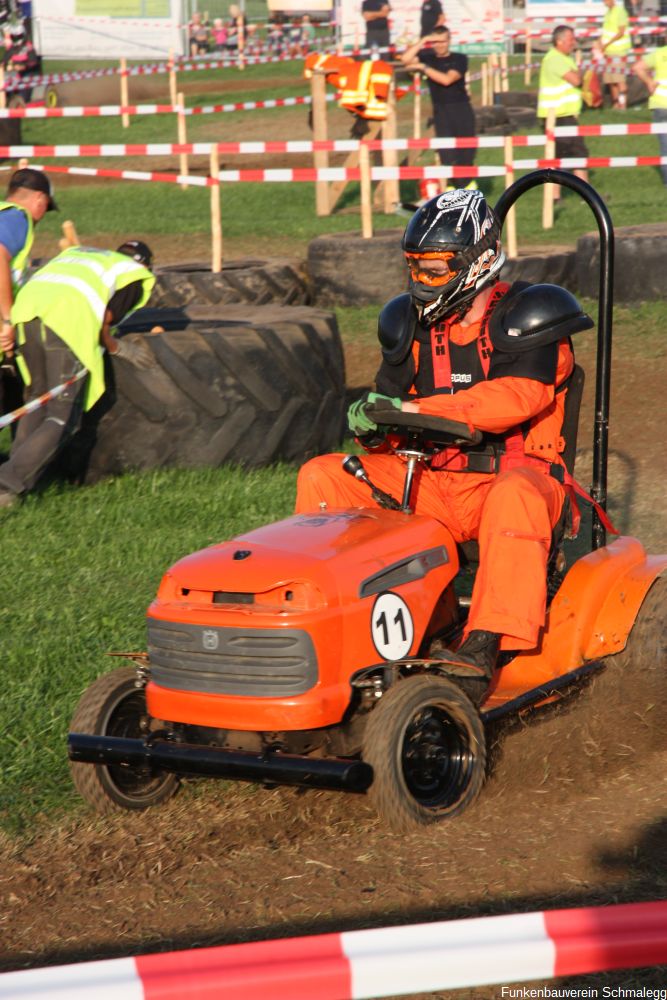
(472, 665)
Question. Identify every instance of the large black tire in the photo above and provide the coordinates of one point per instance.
(114, 706)
(257, 282)
(263, 385)
(426, 744)
(347, 270)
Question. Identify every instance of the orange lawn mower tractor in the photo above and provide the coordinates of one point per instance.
(301, 653)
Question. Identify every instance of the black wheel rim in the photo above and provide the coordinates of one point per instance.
(437, 758)
(125, 720)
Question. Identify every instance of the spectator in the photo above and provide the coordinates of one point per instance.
(307, 34)
(376, 15)
(28, 199)
(432, 16)
(219, 34)
(21, 58)
(453, 115)
(652, 69)
(198, 35)
(615, 43)
(64, 316)
(294, 36)
(560, 92)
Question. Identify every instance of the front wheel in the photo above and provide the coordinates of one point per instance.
(114, 706)
(425, 741)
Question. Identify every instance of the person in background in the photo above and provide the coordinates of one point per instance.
(198, 35)
(453, 115)
(64, 316)
(219, 34)
(431, 16)
(615, 43)
(376, 15)
(307, 34)
(28, 199)
(652, 70)
(560, 92)
(21, 58)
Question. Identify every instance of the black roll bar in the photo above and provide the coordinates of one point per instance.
(551, 175)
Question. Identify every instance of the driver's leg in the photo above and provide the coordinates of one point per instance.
(517, 518)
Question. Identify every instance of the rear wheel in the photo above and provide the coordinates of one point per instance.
(114, 706)
(425, 742)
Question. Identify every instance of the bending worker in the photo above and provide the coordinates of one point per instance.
(464, 345)
(28, 199)
(64, 316)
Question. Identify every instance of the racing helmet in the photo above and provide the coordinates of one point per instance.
(452, 248)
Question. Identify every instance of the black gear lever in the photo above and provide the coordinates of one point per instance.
(352, 464)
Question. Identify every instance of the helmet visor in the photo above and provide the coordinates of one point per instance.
(433, 269)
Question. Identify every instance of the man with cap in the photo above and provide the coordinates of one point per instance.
(64, 317)
(28, 199)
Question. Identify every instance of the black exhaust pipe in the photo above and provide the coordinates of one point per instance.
(272, 766)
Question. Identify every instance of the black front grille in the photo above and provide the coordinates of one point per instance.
(229, 597)
(259, 663)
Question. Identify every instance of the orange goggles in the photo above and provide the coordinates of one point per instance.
(431, 268)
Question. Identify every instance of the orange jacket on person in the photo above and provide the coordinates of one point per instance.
(364, 86)
(512, 513)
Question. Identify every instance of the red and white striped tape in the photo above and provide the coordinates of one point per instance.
(92, 111)
(34, 404)
(385, 962)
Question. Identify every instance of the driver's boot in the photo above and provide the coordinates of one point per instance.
(472, 665)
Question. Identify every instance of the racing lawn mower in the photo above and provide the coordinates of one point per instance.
(302, 652)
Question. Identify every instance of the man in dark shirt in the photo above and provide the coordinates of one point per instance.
(375, 13)
(453, 115)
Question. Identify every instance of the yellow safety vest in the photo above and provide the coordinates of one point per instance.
(555, 93)
(657, 61)
(614, 20)
(19, 261)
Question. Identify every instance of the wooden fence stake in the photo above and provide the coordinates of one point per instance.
(216, 223)
(318, 89)
(504, 77)
(240, 34)
(366, 206)
(70, 237)
(413, 154)
(172, 78)
(485, 84)
(510, 222)
(182, 138)
(549, 154)
(3, 95)
(124, 91)
(390, 188)
(529, 56)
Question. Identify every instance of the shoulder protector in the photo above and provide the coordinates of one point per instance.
(396, 328)
(535, 316)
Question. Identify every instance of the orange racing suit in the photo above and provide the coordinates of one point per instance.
(511, 511)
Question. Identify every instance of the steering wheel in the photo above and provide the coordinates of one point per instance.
(429, 428)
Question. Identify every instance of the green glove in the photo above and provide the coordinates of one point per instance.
(357, 419)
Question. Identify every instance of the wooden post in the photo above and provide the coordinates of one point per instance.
(549, 154)
(240, 34)
(485, 84)
(494, 76)
(70, 237)
(216, 224)
(23, 162)
(172, 79)
(366, 206)
(336, 188)
(390, 188)
(510, 221)
(182, 139)
(504, 78)
(318, 87)
(124, 91)
(413, 154)
(529, 56)
(3, 95)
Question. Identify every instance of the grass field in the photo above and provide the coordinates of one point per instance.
(81, 565)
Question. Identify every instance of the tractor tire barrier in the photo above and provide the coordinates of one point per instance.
(258, 282)
(389, 961)
(248, 386)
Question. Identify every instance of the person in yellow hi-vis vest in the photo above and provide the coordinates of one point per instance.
(63, 318)
(28, 199)
(560, 92)
(615, 43)
(652, 69)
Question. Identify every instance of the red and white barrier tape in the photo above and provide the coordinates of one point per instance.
(34, 404)
(389, 961)
(93, 111)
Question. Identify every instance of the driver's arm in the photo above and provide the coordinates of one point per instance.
(500, 403)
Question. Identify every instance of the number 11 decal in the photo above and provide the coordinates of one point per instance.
(392, 629)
